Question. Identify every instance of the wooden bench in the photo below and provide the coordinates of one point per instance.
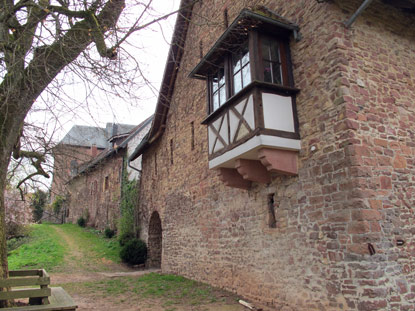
(42, 298)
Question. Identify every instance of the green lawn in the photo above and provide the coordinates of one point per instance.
(94, 243)
(172, 289)
(43, 250)
(46, 249)
(73, 251)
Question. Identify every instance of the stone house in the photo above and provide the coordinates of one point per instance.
(79, 145)
(17, 210)
(94, 192)
(279, 164)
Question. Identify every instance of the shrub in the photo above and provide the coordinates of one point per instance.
(81, 222)
(129, 201)
(38, 203)
(15, 230)
(109, 233)
(58, 203)
(125, 237)
(134, 252)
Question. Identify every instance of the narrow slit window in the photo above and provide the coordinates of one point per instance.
(155, 163)
(106, 183)
(192, 128)
(272, 221)
(171, 151)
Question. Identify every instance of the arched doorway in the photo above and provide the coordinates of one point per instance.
(154, 241)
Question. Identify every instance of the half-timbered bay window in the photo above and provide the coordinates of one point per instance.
(251, 111)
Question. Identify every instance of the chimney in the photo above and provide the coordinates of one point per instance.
(114, 129)
(94, 150)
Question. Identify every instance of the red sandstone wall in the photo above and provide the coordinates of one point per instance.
(17, 210)
(356, 108)
(62, 157)
(89, 196)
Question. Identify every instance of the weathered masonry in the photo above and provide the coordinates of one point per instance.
(279, 164)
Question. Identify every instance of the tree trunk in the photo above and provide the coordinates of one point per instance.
(4, 271)
(19, 90)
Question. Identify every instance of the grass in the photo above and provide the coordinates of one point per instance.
(172, 289)
(43, 250)
(94, 242)
(47, 248)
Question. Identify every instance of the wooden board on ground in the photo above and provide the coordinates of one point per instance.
(59, 301)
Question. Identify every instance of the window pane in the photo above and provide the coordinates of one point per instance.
(276, 73)
(267, 72)
(222, 95)
(245, 58)
(215, 85)
(266, 48)
(237, 84)
(274, 51)
(246, 75)
(215, 98)
(221, 77)
(236, 63)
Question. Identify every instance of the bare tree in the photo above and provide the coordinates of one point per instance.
(39, 41)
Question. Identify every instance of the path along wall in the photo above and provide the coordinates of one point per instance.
(339, 221)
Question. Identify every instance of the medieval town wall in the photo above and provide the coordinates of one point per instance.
(96, 195)
(338, 221)
(63, 156)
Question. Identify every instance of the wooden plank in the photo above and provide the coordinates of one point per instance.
(25, 293)
(59, 301)
(35, 272)
(61, 298)
(24, 281)
(40, 308)
(44, 273)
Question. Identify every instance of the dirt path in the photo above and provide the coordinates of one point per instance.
(79, 271)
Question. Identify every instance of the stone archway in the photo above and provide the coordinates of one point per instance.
(154, 241)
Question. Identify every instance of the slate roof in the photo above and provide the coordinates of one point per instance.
(86, 136)
(134, 130)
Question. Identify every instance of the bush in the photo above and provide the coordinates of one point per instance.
(15, 230)
(134, 252)
(81, 222)
(38, 203)
(125, 237)
(109, 233)
(58, 203)
(129, 201)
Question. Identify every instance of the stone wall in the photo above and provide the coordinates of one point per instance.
(96, 194)
(335, 243)
(63, 156)
(17, 210)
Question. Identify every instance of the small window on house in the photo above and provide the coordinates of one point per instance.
(192, 129)
(218, 88)
(74, 167)
(155, 163)
(271, 60)
(272, 221)
(254, 48)
(241, 70)
(171, 151)
(106, 183)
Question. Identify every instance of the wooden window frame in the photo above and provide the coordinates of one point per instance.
(256, 63)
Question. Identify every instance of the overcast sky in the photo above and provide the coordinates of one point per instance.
(152, 48)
